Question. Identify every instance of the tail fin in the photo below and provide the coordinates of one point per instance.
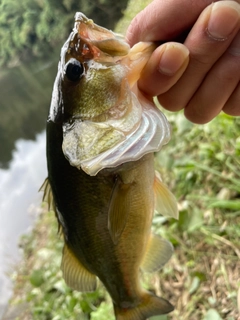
(150, 305)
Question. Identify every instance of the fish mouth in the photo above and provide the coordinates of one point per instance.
(107, 41)
(91, 41)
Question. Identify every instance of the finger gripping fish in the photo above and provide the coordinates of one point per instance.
(101, 136)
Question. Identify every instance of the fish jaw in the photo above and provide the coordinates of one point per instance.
(109, 42)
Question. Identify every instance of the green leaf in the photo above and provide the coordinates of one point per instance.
(36, 278)
(190, 221)
(212, 300)
(60, 286)
(226, 204)
(85, 307)
(200, 275)
(196, 220)
(194, 285)
(183, 220)
(212, 314)
(104, 312)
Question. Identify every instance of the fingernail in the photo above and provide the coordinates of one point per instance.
(223, 20)
(172, 58)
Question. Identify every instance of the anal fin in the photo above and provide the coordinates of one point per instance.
(75, 274)
(150, 305)
(158, 253)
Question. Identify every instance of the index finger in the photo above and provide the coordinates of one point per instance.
(164, 20)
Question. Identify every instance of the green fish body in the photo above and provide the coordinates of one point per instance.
(100, 144)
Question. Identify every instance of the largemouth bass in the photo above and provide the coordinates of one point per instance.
(101, 136)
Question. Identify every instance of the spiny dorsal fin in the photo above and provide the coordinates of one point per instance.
(48, 197)
(47, 194)
(165, 201)
(118, 209)
(75, 274)
(158, 252)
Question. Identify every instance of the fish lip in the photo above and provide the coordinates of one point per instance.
(79, 16)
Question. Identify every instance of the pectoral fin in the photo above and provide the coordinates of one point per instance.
(75, 274)
(166, 203)
(159, 251)
(118, 209)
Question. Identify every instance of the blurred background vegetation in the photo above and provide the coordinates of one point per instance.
(31, 29)
(200, 165)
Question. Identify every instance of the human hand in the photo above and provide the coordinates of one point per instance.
(206, 80)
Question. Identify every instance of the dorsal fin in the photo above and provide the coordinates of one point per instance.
(118, 209)
(165, 201)
(75, 274)
(158, 252)
(48, 198)
(47, 194)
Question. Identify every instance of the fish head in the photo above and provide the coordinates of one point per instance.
(93, 80)
(95, 96)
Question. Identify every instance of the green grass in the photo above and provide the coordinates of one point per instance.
(200, 164)
(201, 167)
(132, 9)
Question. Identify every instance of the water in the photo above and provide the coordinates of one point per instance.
(25, 97)
(19, 204)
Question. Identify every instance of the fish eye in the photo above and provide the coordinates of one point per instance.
(74, 70)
